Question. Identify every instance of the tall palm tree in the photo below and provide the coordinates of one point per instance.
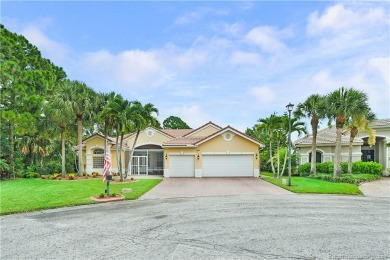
(296, 126)
(60, 114)
(141, 116)
(313, 108)
(359, 120)
(340, 105)
(269, 125)
(82, 101)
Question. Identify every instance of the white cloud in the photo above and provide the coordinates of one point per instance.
(50, 49)
(381, 66)
(339, 18)
(324, 83)
(267, 38)
(264, 94)
(192, 114)
(188, 18)
(240, 57)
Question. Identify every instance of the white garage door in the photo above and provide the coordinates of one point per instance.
(181, 166)
(227, 166)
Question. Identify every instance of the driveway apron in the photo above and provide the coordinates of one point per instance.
(197, 187)
(379, 188)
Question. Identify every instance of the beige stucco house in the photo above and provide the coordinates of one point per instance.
(207, 151)
(326, 140)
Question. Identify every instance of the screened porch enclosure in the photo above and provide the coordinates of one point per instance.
(148, 160)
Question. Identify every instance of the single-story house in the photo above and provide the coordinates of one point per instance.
(207, 151)
(326, 144)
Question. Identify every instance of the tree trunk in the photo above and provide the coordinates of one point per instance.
(132, 153)
(337, 159)
(117, 155)
(278, 158)
(271, 159)
(314, 127)
(284, 163)
(120, 155)
(80, 141)
(11, 150)
(63, 171)
(354, 132)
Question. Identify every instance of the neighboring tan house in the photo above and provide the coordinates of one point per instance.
(208, 151)
(326, 141)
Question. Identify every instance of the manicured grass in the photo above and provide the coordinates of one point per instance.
(306, 185)
(22, 195)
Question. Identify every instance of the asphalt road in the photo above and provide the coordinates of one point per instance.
(229, 227)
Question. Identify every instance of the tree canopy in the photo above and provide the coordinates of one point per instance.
(174, 122)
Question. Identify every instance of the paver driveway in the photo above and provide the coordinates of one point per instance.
(196, 187)
(379, 188)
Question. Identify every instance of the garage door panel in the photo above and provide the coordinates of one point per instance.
(227, 166)
(181, 166)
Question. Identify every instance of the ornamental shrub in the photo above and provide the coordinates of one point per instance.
(325, 167)
(304, 169)
(360, 167)
(95, 174)
(34, 175)
(346, 178)
(71, 176)
(55, 176)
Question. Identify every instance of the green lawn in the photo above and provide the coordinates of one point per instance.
(22, 195)
(307, 185)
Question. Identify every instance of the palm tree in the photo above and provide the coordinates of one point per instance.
(359, 120)
(59, 112)
(141, 116)
(269, 125)
(312, 108)
(340, 106)
(82, 101)
(296, 126)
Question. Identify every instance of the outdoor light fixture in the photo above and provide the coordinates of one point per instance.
(198, 157)
(166, 156)
(289, 109)
(256, 156)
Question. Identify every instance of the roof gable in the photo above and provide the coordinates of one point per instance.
(235, 131)
(198, 131)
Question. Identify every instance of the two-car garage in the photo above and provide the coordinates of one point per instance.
(237, 165)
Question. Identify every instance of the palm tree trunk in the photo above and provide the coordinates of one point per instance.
(63, 171)
(284, 163)
(117, 155)
(132, 152)
(80, 140)
(120, 154)
(271, 159)
(314, 127)
(351, 138)
(337, 159)
(277, 158)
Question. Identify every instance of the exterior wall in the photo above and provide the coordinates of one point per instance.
(328, 153)
(148, 136)
(217, 145)
(97, 142)
(209, 130)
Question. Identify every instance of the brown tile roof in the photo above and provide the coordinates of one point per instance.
(176, 132)
(380, 122)
(184, 141)
(326, 136)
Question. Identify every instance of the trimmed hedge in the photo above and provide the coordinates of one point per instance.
(358, 167)
(346, 178)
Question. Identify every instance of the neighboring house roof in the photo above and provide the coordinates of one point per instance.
(327, 136)
(381, 123)
(176, 132)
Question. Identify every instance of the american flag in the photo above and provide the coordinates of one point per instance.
(107, 163)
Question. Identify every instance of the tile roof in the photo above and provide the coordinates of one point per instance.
(199, 128)
(327, 136)
(176, 132)
(184, 140)
(381, 122)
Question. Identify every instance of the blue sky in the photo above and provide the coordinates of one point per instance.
(227, 62)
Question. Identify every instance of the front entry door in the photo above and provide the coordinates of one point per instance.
(139, 165)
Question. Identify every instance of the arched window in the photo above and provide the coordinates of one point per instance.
(98, 158)
(318, 157)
